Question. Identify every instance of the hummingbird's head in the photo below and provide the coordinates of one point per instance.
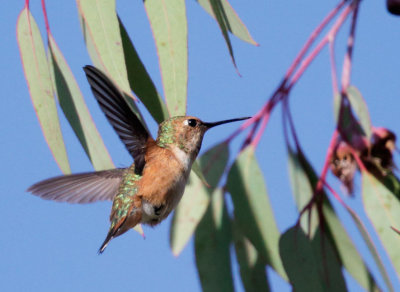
(186, 132)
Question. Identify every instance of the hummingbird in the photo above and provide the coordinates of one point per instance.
(150, 189)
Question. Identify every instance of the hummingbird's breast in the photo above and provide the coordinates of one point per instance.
(163, 183)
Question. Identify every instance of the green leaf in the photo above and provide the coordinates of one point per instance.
(329, 265)
(252, 266)
(374, 252)
(75, 109)
(302, 192)
(349, 127)
(219, 13)
(140, 81)
(104, 65)
(212, 242)
(303, 174)
(361, 110)
(234, 24)
(196, 169)
(196, 199)
(253, 211)
(383, 209)
(299, 261)
(311, 265)
(103, 38)
(37, 74)
(347, 251)
(169, 25)
(337, 100)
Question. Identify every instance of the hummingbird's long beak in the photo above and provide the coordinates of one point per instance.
(210, 125)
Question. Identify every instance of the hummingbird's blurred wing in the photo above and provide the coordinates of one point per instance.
(118, 112)
(80, 188)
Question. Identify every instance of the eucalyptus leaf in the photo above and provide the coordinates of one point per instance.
(361, 110)
(303, 174)
(140, 80)
(196, 199)
(234, 23)
(40, 85)
(75, 109)
(299, 261)
(169, 25)
(251, 264)
(103, 38)
(383, 209)
(252, 208)
(212, 243)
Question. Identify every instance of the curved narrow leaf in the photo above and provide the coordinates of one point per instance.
(329, 265)
(196, 169)
(347, 251)
(311, 265)
(383, 209)
(349, 127)
(169, 25)
(188, 214)
(361, 110)
(140, 81)
(372, 248)
(234, 24)
(303, 174)
(298, 259)
(252, 266)
(75, 109)
(103, 38)
(302, 191)
(196, 199)
(253, 211)
(212, 242)
(37, 74)
(220, 15)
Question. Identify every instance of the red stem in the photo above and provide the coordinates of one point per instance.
(312, 38)
(350, 45)
(282, 90)
(286, 111)
(322, 178)
(330, 35)
(328, 156)
(358, 160)
(46, 19)
(264, 123)
(250, 136)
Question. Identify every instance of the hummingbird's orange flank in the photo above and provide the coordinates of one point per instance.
(153, 185)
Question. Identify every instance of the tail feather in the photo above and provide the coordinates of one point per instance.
(109, 236)
(113, 232)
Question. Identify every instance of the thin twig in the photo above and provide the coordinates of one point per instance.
(46, 19)
(330, 35)
(312, 38)
(350, 45)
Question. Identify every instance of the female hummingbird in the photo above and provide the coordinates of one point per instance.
(153, 185)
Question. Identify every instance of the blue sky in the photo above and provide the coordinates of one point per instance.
(48, 246)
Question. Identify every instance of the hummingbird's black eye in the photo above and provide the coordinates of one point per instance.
(192, 122)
